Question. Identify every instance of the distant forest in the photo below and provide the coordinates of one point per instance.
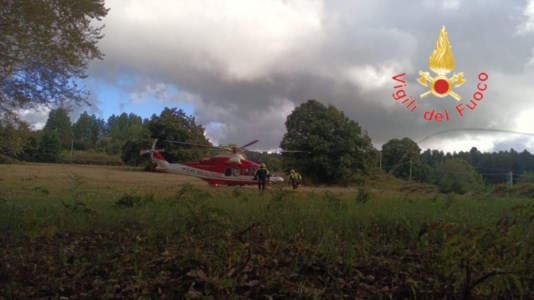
(495, 167)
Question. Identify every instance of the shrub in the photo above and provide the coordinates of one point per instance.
(6, 159)
(456, 176)
(518, 190)
(128, 201)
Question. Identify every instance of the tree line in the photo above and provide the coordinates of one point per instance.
(332, 148)
(120, 135)
(457, 171)
(322, 143)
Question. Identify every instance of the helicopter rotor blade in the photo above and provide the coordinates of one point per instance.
(198, 145)
(231, 149)
(294, 151)
(246, 145)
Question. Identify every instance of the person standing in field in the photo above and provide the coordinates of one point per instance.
(294, 179)
(262, 175)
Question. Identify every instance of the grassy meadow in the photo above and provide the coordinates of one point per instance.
(76, 231)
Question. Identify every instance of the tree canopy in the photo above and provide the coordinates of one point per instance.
(49, 147)
(123, 128)
(45, 46)
(59, 122)
(13, 137)
(400, 157)
(456, 175)
(335, 149)
(87, 131)
(175, 125)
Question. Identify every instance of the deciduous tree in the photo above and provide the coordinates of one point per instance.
(175, 125)
(45, 46)
(400, 157)
(87, 131)
(49, 147)
(123, 128)
(59, 122)
(335, 147)
(13, 137)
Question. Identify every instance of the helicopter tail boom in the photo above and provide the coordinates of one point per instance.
(161, 163)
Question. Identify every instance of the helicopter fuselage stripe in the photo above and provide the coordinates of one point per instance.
(186, 170)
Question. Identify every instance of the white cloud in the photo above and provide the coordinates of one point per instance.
(528, 12)
(158, 90)
(370, 78)
(36, 117)
(241, 39)
(483, 141)
(462, 143)
(525, 121)
(215, 132)
(445, 4)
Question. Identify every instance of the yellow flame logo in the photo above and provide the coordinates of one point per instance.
(441, 62)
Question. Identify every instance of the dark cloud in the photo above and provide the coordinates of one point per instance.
(245, 65)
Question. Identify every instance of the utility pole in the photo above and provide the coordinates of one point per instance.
(410, 169)
(71, 143)
(380, 155)
(511, 178)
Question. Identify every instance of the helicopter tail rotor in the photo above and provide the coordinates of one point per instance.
(145, 151)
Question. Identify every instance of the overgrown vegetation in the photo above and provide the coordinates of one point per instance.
(518, 190)
(188, 241)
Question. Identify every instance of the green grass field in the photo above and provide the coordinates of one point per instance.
(114, 232)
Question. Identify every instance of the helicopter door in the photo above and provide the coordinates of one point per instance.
(231, 172)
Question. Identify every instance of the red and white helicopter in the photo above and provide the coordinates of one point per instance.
(232, 169)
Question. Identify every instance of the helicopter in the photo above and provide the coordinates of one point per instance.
(217, 170)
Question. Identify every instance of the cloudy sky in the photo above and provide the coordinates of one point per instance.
(241, 66)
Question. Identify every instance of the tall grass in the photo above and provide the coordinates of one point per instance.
(311, 215)
(228, 231)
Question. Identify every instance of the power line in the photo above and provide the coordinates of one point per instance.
(492, 169)
(474, 129)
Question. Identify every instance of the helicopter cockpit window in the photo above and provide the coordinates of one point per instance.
(228, 172)
(236, 172)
